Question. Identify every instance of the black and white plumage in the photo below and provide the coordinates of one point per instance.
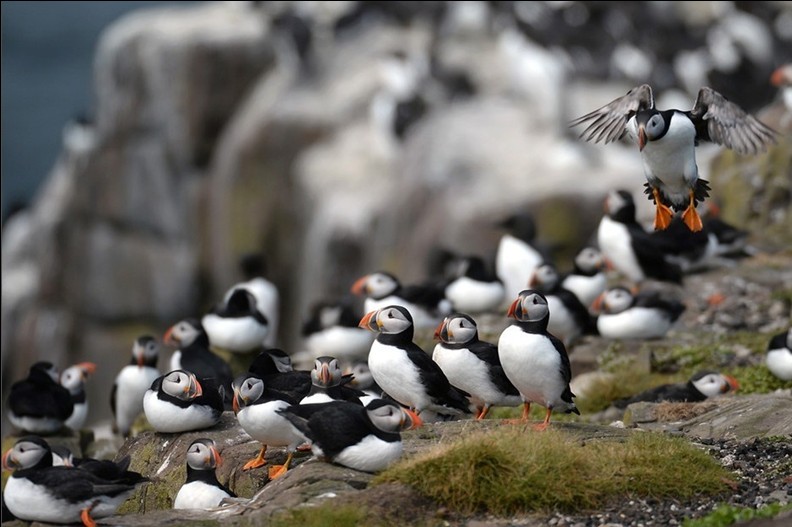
(667, 141)
(328, 384)
(702, 385)
(73, 379)
(363, 438)
(38, 491)
(473, 365)
(535, 361)
(644, 315)
(38, 404)
(132, 382)
(236, 324)
(265, 293)
(569, 318)
(201, 488)
(588, 277)
(779, 355)
(332, 329)
(425, 302)
(517, 254)
(472, 288)
(179, 402)
(404, 371)
(274, 368)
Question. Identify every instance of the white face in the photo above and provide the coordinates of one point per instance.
(73, 378)
(616, 300)
(458, 330)
(614, 202)
(145, 350)
(545, 275)
(248, 390)
(712, 384)
(532, 307)
(654, 126)
(392, 320)
(24, 454)
(326, 372)
(181, 384)
(184, 333)
(379, 285)
(388, 418)
(202, 454)
(589, 259)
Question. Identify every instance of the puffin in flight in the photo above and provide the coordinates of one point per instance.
(667, 141)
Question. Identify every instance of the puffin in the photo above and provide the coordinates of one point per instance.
(201, 489)
(104, 468)
(132, 382)
(38, 404)
(73, 379)
(569, 318)
(588, 277)
(473, 365)
(534, 360)
(365, 438)
(426, 302)
(667, 141)
(37, 491)
(331, 328)
(236, 324)
(328, 384)
(779, 355)
(700, 386)
(404, 371)
(473, 288)
(517, 253)
(643, 315)
(193, 354)
(256, 407)
(630, 249)
(179, 402)
(274, 367)
(254, 270)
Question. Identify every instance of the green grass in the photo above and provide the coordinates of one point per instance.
(726, 515)
(511, 471)
(327, 515)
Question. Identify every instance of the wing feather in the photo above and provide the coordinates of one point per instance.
(608, 123)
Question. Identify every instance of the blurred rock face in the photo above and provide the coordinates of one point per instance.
(337, 138)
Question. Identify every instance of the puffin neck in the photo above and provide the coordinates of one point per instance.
(396, 339)
(534, 326)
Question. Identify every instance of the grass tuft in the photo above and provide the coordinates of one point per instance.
(726, 515)
(327, 515)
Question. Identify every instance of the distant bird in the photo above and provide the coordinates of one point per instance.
(272, 367)
(265, 292)
(588, 277)
(425, 302)
(702, 385)
(236, 324)
(535, 361)
(473, 365)
(73, 379)
(332, 329)
(132, 382)
(201, 489)
(38, 404)
(404, 371)
(517, 254)
(179, 402)
(362, 438)
(472, 288)
(328, 384)
(667, 141)
(779, 355)
(645, 315)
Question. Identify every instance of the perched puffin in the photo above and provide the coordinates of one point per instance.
(628, 248)
(38, 491)
(667, 141)
(426, 302)
(236, 324)
(254, 271)
(645, 315)
(38, 404)
(194, 355)
(473, 365)
(201, 489)
(179, 402)
(779, 355)
(404, 371)
(328, 384)
(362, 438)
(702, 385)
(569, 318)
(332, 329)
(473, 288)
(517, 253)
(274, 368)
(535, 361)
(588, 278)
(132, 382)
(104, 468)
(73, 379)
(256, 407)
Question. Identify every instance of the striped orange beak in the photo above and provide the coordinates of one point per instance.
(359, 287)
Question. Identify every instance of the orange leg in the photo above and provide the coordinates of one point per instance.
(257, 461)
(691, 216)
(544, 424)
(526, 413)
(663, 214)
(85, 516)
(483, 412)
(277, 471)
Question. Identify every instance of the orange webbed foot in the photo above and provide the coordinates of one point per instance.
(277, 471)
(692, 219)
(85, 516)
(257, 461)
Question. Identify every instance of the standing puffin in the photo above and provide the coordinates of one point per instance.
(779, 355)
(702, 385)
(73, 379)
(425, 302)
(404, 371)
(473, 365)
(332, 329)
(472, 287)
(236, 324)
(132, 382)
(588, 278)
(517, 254)
(535, 361)
(201, 489)
(645, 315)
(265, 293)
(667, 140)
(179, 402)
(38, 404)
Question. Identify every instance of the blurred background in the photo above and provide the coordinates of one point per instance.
(148, 146)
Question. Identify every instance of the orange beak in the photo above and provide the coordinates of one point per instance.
(7, 462)
(194, 389)
(216, 454)
(512, 312)
(88, 368)
(324, 374)
(235, 402)
(369, 321)
(412, 420)
(533, 281)
(359, 287)
(169, 339)
(596, 306)
(732, 385)
(777, 78)
(641, 137)
(440, 333)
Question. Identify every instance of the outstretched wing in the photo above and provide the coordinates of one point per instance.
(608, 123)
(721, 121)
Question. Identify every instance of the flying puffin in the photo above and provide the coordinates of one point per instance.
(332, 329)
(628, 248)
(73, 379)
(425, 302)
(37, 491)
(179, 402)
(362, 438)
(328, 384)
(256, 407)
(645, 315)
(473, 288)
(254, 270)
(779, 355)
(38, 404)
(132, 382)
(588, 277)
(404, 371)
(667, 141)
(702, 385)
(201, 489)
(535, 361)
(473, 365)
(236, 324)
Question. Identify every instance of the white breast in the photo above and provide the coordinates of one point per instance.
(634, 323)
(396, 374)
(465, 371)
(234, 334)
(614, 241)
(562, 323)
(515, 261)
(267, 302)
(77, 419)
(199, 495)
(779, 362)
(132, 383)
(343, 343)
(169, 418)
(264, 424)
(672, 159)
(472, 296)
(370, 455)
(586, 288)
(533, 365)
